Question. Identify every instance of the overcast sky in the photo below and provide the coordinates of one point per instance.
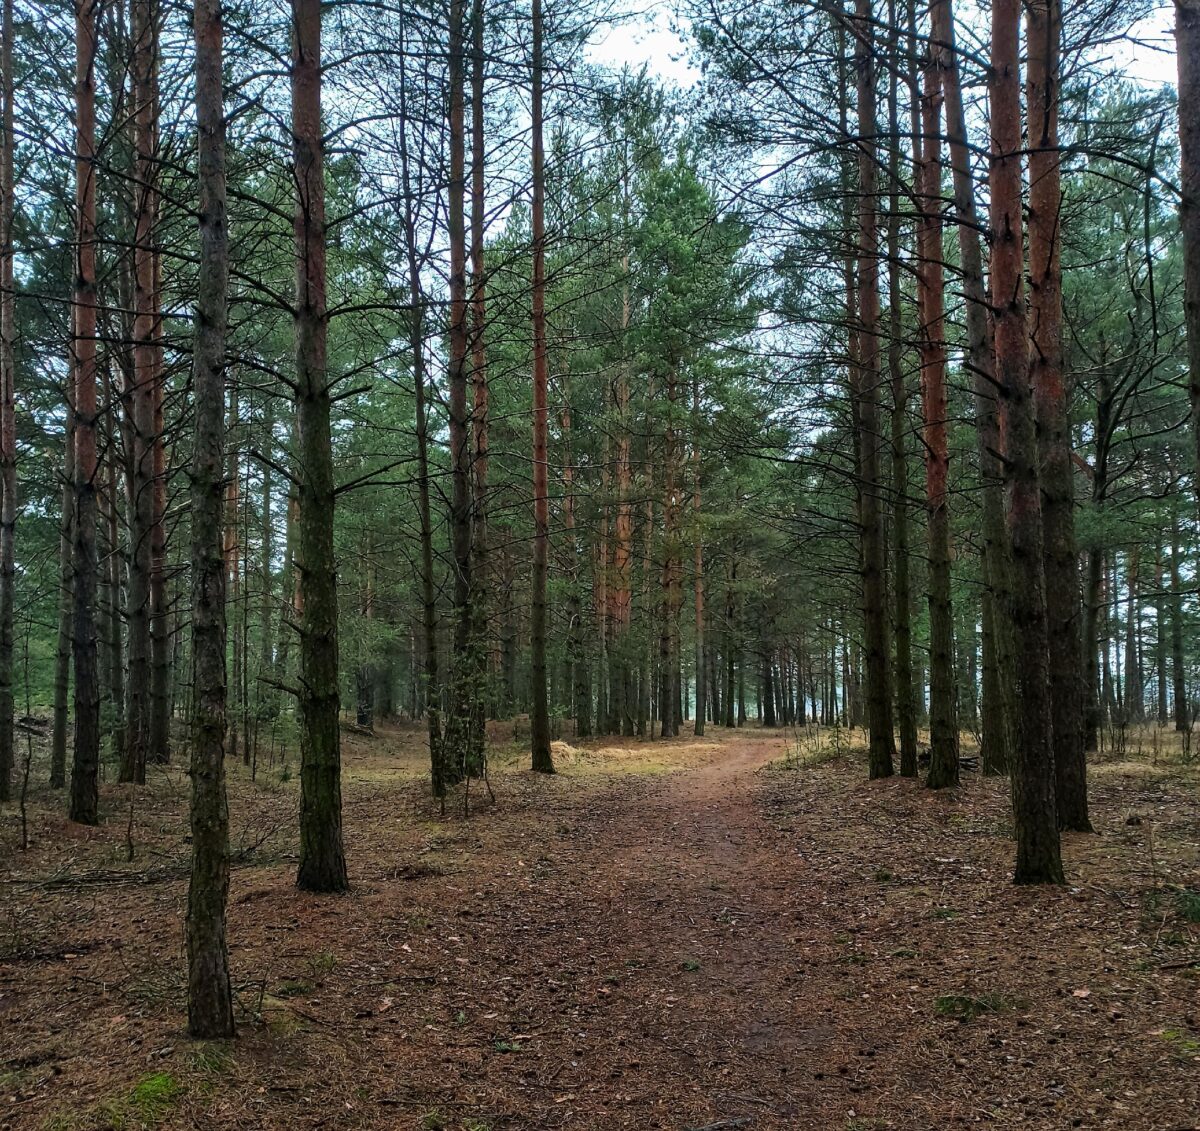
(1149, 55)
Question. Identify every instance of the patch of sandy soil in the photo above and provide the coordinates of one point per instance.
(687, 934)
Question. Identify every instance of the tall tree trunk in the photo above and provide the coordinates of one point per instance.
(943, 718)
(322, 859)
(365, 675)
(458, 721)
(233, 561)
(8, 428)
(998, 719)
(578, 685)
(266, 703)
(1187, 55)
(431, 691)
(1039, 857)
(906, 713)
(210, 999)
(1135, 710)
(1160, 631)
(1043, 32)
(698, 566)
(672, 551)
(539, 724)
(66, 584)
(1178, 672)
(85, 772)
(481, 602)
(115, 649)
(141, 399)
(874, 554)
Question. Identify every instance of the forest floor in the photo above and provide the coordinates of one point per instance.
(737, 931)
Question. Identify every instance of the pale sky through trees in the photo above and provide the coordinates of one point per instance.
(648, 38)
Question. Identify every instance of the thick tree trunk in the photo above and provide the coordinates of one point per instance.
(1043, 31)
(85, 773)
(1039, 857)
(539, 723)
(210, 999)
(943, 718)
(322, 859)
(879, 680)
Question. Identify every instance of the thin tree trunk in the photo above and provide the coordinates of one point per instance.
(1043, 31)
(906, 715)
(1178, 672)
(458, 721)
(85, 773)
(232, 560)
(115, 649)
(431, 691)
(1135, 710)
(943, 719)
(140, 400)
(698, 535)
(66, 576)
(1039, 857)
(8, 429)
(210, 998)
(539, 725)
(1187, 55)
(874, 554)
(481, 600)
(322, 858)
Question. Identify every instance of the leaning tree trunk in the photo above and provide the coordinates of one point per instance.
(1043, 32)
(322, 858)
(874, 553)
(85, 771)
(943, 719)
(210, 999)
(1039, 857)
(539, 723)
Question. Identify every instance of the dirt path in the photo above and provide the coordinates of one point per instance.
(666, 936)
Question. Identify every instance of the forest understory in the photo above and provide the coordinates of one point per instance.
(727, 932)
